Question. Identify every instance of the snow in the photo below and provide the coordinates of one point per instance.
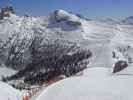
(64, 14)
(100, 37)
(6, 72)
(95, 84)
(103, 39)
(9, 93)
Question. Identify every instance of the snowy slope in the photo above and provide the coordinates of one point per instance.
(101, 37)
(104, 38)
(9, 93)
(6, 72)
(95, 84)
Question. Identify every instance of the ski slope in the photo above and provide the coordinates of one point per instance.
(9, 93)
(96, 84)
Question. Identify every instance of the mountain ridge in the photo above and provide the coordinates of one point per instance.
(109, 41)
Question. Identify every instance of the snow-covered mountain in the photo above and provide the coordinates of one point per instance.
(104, 38)
(18, 32)
(109, 40)
(128, 20)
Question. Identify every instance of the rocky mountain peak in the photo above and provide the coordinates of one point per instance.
(128, 20)
(6, 12)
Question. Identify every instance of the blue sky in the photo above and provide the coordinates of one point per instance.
(88, 8)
